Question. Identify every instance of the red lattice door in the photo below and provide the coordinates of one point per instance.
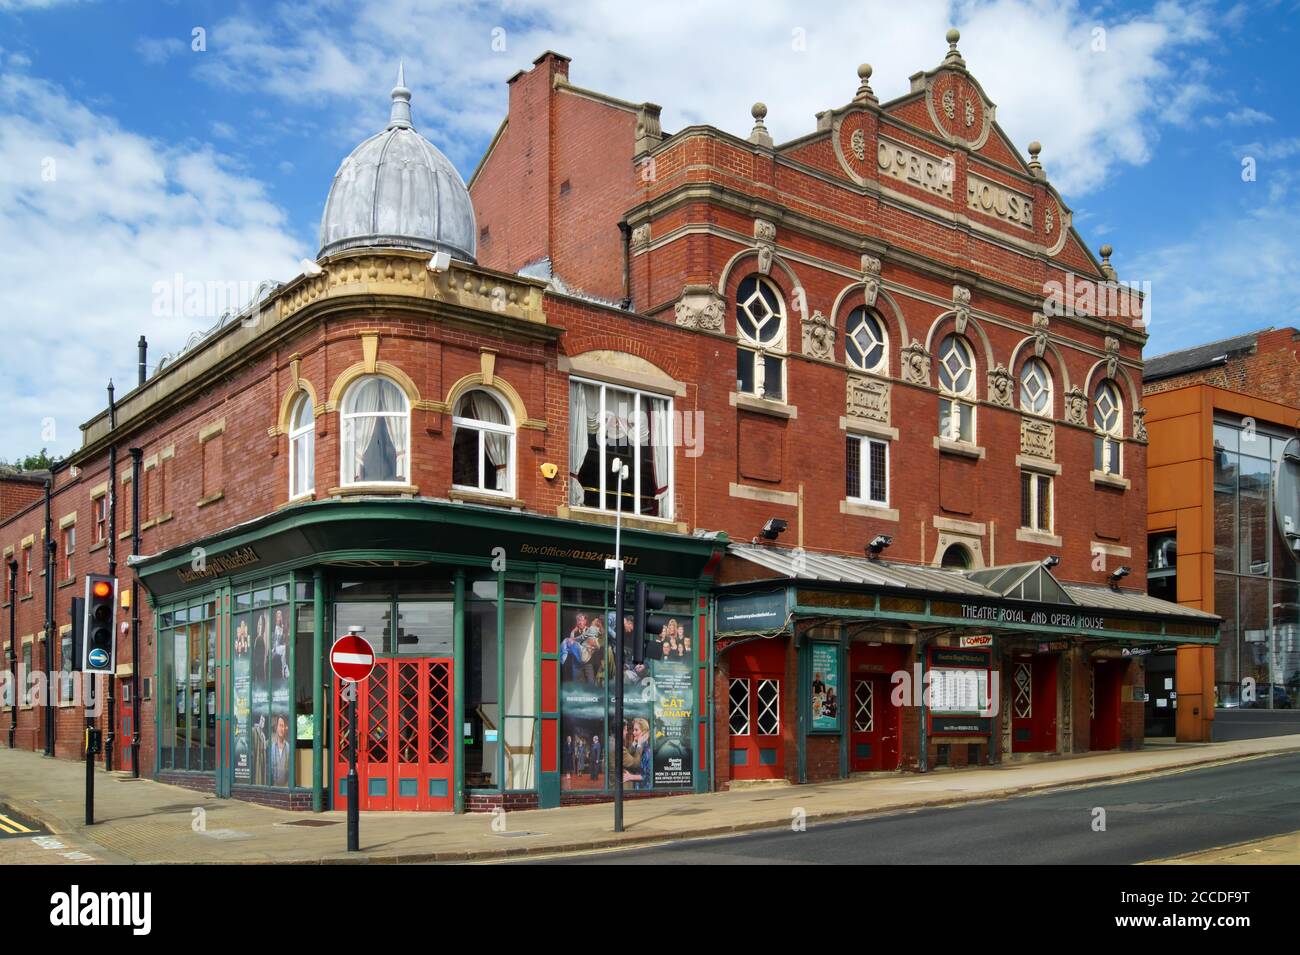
(405, 757)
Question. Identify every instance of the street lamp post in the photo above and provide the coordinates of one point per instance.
(616, 639)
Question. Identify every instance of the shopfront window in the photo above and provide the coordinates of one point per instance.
(482, 702)
(187, 666)
(1257, 662)
(264, 686)
(654, 747)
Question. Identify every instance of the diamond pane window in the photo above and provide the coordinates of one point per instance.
(956, 367)
(768, 719)
(759, 313)
(865, 344)
(1036, 388)
(738, 712)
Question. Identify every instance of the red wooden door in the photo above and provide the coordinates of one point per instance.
(405, 754)
(1033, 704)
(1103, 704)
(754, 721)
(873, 740)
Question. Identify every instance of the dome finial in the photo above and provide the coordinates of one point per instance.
(401, 114)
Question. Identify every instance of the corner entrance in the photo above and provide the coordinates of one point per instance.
(1033, 703)
(405, 753)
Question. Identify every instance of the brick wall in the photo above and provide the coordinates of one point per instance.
(1270, 370)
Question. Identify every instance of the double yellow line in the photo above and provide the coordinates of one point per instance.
(12, 828)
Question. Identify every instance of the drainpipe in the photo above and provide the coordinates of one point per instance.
(13, 650)
(626, 229)
(50, 549)
(136, 455)
(112, 558)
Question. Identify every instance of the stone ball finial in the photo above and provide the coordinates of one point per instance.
(1035, 148)
(864, 72)
(952, 36)
(1106, 251)
(759, 111)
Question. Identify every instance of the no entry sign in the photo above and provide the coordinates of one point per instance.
(352, 658)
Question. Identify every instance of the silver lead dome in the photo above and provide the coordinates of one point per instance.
(398, 191)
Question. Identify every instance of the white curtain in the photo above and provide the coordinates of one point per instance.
(496, 445)
(661, 440)
(584, 421)
(365, 398)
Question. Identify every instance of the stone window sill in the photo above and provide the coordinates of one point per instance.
(210, 499)
(68, 582)
(863, 509)
(777, 409)
(100, 546)
(373, 489)
(1031, 536)
(595, 516)
(960, 448)
(465, 496)
(1110, 480)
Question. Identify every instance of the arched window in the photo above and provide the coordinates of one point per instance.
(1108, 422)
(302, 447)
(1036, 388)
(760, 326)
(956, 556)
(956, 382)
(483, 444)
(865, 344)
(376, 438)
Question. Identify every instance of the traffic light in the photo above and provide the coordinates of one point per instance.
(99, 647)
(646, 627)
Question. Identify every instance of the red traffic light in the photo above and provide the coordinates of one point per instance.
(101, 589)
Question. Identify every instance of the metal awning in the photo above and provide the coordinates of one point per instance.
(1025, 597)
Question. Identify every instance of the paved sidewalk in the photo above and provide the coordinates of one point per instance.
(148, 822)
(1280, 850)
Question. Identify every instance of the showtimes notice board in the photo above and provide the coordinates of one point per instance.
(958, 692)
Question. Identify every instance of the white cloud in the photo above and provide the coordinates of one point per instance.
(1247, 116)
(91, 217)
(1093, 109)
(158, 50)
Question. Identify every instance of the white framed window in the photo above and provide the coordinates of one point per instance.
(609, 421)
(760, 327)
(1036, 388)
(767, 718)
(866, 469)
(483, 444)
(738, 706)
(1036, 501)
(866, 345)
(1108, 422)
(376, 439)
(956, 390)
(302, 447)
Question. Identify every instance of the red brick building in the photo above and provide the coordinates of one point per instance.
(878, 407)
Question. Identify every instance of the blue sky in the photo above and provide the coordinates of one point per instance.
(128, 157)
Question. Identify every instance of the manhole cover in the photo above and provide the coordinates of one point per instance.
(310, 823)
(515, 835)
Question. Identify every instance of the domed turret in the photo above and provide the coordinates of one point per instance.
(398, 191)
